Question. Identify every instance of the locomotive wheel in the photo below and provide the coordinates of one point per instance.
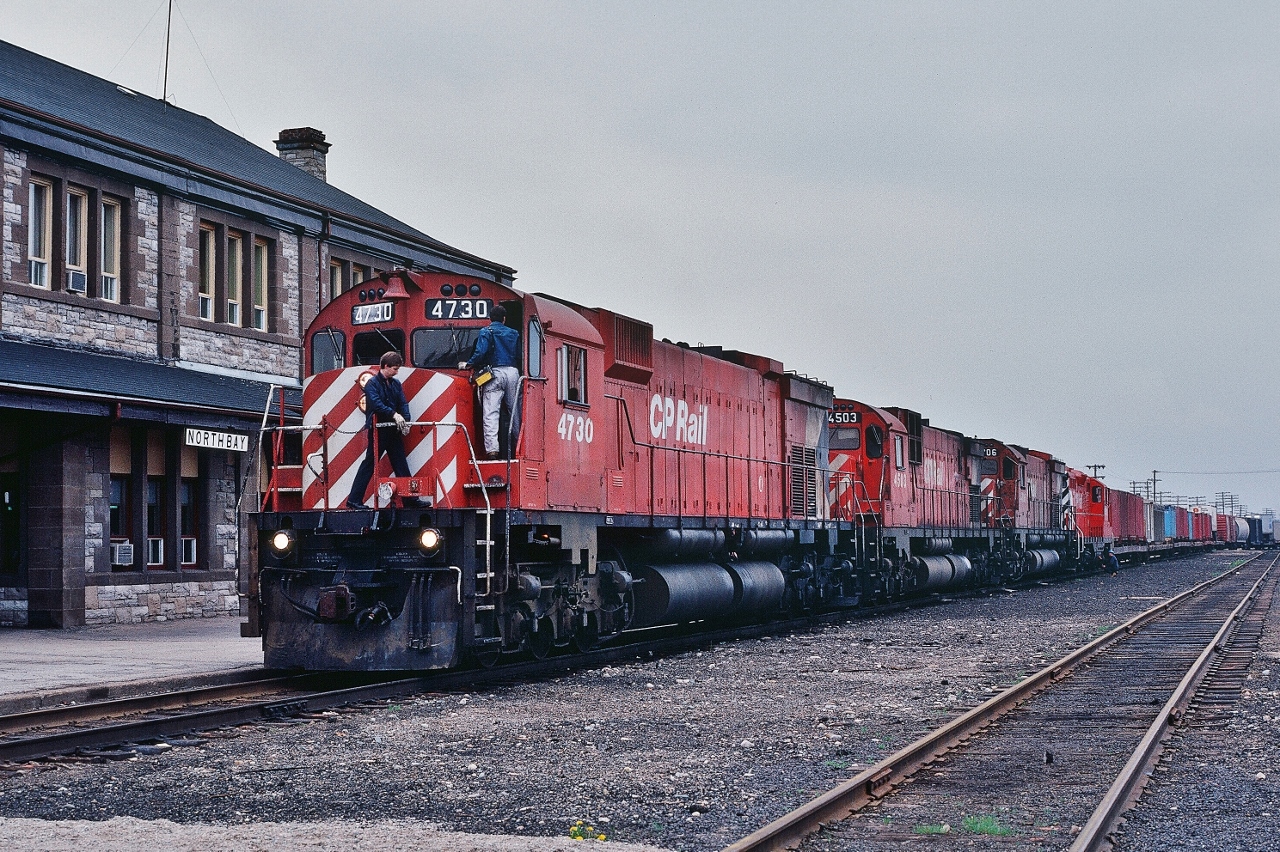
(541, 643)
(587, 637)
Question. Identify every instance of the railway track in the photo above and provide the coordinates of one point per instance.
(89, 727)
(94, 728)
(1057, 758)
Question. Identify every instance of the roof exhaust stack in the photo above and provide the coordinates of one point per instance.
(305, 148)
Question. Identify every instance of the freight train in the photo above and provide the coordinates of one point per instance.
(639, 483)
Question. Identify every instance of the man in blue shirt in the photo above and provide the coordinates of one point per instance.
(498, 348)
(384, 403)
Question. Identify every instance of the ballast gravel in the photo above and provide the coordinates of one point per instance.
(688, 752)
(1217, 786)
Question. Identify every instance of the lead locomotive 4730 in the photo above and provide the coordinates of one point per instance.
(640, 483)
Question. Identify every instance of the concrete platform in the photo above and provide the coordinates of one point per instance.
(43, 667)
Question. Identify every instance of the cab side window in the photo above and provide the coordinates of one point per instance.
(875, 442)
(572, 374)
(535, 349)
(899, 460)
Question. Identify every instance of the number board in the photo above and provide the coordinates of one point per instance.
(462, 309)
(844, 418)
(377, 312)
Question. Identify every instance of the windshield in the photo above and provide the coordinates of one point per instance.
(443, 348)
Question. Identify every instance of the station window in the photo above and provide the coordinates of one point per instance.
(235, 277)
(359, 274)
(187, 521)
(335, 279)
(572, 374)
(155, 521)
(39, 226)
(109, 252)
(119, 508)
(899, 458)
(535, 349)
(77, 233)
(261, 277)
(208, 256)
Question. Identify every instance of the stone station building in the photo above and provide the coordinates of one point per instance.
(157, 273)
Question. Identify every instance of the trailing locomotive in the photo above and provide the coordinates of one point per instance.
(638, 483)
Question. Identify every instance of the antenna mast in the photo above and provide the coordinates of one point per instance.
(168, 27)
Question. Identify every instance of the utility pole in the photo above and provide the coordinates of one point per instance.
(1095, 468)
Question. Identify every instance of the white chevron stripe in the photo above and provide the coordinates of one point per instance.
(448, 479)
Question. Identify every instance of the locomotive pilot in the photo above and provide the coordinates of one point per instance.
(384, 403)
(498, 349)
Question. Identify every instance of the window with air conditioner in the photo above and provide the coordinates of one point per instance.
(77, 234)
(39, 227)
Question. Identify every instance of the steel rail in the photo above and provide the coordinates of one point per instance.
(666, 641)
(90, 711)
(1128, 786)
(876, 781)
(102, 736)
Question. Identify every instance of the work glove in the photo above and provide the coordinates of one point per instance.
(462, 365)
(401, 423)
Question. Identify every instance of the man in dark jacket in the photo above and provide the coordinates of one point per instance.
(384, 403)
(498, 348)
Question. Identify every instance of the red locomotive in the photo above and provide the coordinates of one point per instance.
(638, 482)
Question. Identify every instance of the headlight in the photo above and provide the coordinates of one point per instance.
(430, 540)
(282, 542)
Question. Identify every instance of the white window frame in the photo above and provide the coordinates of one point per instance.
(39, 231)
(899, 455)
(235, 277)
(261, 268)
(109, 246)
(335, 278)
(207, 258)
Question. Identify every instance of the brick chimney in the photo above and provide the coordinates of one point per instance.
(305, 148)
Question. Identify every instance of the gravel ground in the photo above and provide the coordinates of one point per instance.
(1219, 788)
(688, 753)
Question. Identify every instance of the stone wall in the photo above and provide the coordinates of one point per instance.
(13, 607)
(81, 326)
(201, 346)
(146, 259)
(13, 246)
(160, 602)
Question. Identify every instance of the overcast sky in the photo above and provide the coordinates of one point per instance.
(1058, 226)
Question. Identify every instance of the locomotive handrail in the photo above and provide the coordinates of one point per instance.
(484, 492)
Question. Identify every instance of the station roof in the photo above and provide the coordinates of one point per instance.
(34, 87)
(45, 378)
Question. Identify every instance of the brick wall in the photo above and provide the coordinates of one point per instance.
(160, 602)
